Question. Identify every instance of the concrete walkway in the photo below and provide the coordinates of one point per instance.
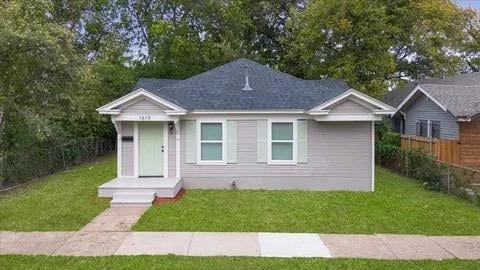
(101, 243)
(109, 234)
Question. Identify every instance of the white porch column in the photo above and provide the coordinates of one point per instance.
(177, 148)
(118, 128)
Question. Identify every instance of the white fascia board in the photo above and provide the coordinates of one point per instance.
(319, 112)
(132, 95)
(357, 94)
(348, 117)
(384, 112)
(110, 112)
(173, 112)
(142, 118)
(248, 112)
(414, 91)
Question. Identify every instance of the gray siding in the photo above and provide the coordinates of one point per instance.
(348, 107)
(339, 158)
(425, 109)
(127, 150)
(144, 106)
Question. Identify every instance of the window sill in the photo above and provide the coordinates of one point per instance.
(202, 163)
(271, 162)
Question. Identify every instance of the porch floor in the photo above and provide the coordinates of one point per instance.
(163, 187)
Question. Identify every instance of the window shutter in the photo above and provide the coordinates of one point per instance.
(191, 141)
(262, 138)
(231, 141)
(302, 141)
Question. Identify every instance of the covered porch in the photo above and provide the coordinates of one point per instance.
(148, 149)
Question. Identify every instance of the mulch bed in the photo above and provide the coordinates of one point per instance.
(179, 196)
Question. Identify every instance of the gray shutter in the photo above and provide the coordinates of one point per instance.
(190, 141)
(262, 140)
(231, 141)
(302, 141)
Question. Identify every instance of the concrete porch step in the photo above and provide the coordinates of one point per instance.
(132, 199)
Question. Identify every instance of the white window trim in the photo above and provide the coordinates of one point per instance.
(294, 142)
(199, 143)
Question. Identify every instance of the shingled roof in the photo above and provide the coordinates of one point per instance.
(459, 94)
(221, 89)
(150, 84)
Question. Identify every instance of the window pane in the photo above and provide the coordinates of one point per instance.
(211, 151)
(211, 132)
(282, 151)
(282, 131)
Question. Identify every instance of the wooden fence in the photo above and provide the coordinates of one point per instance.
(444, 150)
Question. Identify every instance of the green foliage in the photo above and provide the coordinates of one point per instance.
(423, 167)
(371, 44)
(343, 39)
(415, 163)
(388, 147)
(49, 90)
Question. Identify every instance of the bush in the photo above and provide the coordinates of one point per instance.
(425, 168)
(388, 147)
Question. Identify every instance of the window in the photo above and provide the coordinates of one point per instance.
(282, 141)
(211, 141)
(435, 129)
(422, 128)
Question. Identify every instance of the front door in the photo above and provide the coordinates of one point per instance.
(151, 149)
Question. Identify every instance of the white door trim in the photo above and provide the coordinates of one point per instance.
(165, 150)
(135, 149)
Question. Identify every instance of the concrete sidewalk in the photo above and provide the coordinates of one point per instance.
(109, 234)
(102, 243)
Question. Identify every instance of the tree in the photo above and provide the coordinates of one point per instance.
(426, 37)
(39, 64)
(342, 39)
(373, 44)
(470, 46)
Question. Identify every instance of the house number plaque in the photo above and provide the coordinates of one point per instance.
(144, 117)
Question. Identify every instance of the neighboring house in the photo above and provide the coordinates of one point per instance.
(243, 125)
(447, 108)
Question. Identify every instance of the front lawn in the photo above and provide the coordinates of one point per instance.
(198, 263)
(63, 201)
(398, 205)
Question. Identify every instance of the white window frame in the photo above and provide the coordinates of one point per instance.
(199, 143)
(293, 141)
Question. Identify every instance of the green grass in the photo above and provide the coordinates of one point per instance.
(398, 205)
(63, 201)
(68, 200)
(177, 262)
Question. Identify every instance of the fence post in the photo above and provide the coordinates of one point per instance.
(430, 146)
(409, 142)
(448, 178)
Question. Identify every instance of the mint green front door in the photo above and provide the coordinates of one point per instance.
(151, 149)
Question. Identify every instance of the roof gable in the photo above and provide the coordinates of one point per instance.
(366, 101)
(116, 106)
(458, 100)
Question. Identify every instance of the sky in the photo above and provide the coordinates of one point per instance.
(469, 3)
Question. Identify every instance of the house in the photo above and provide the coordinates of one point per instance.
(444, 109)
(243, 125)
